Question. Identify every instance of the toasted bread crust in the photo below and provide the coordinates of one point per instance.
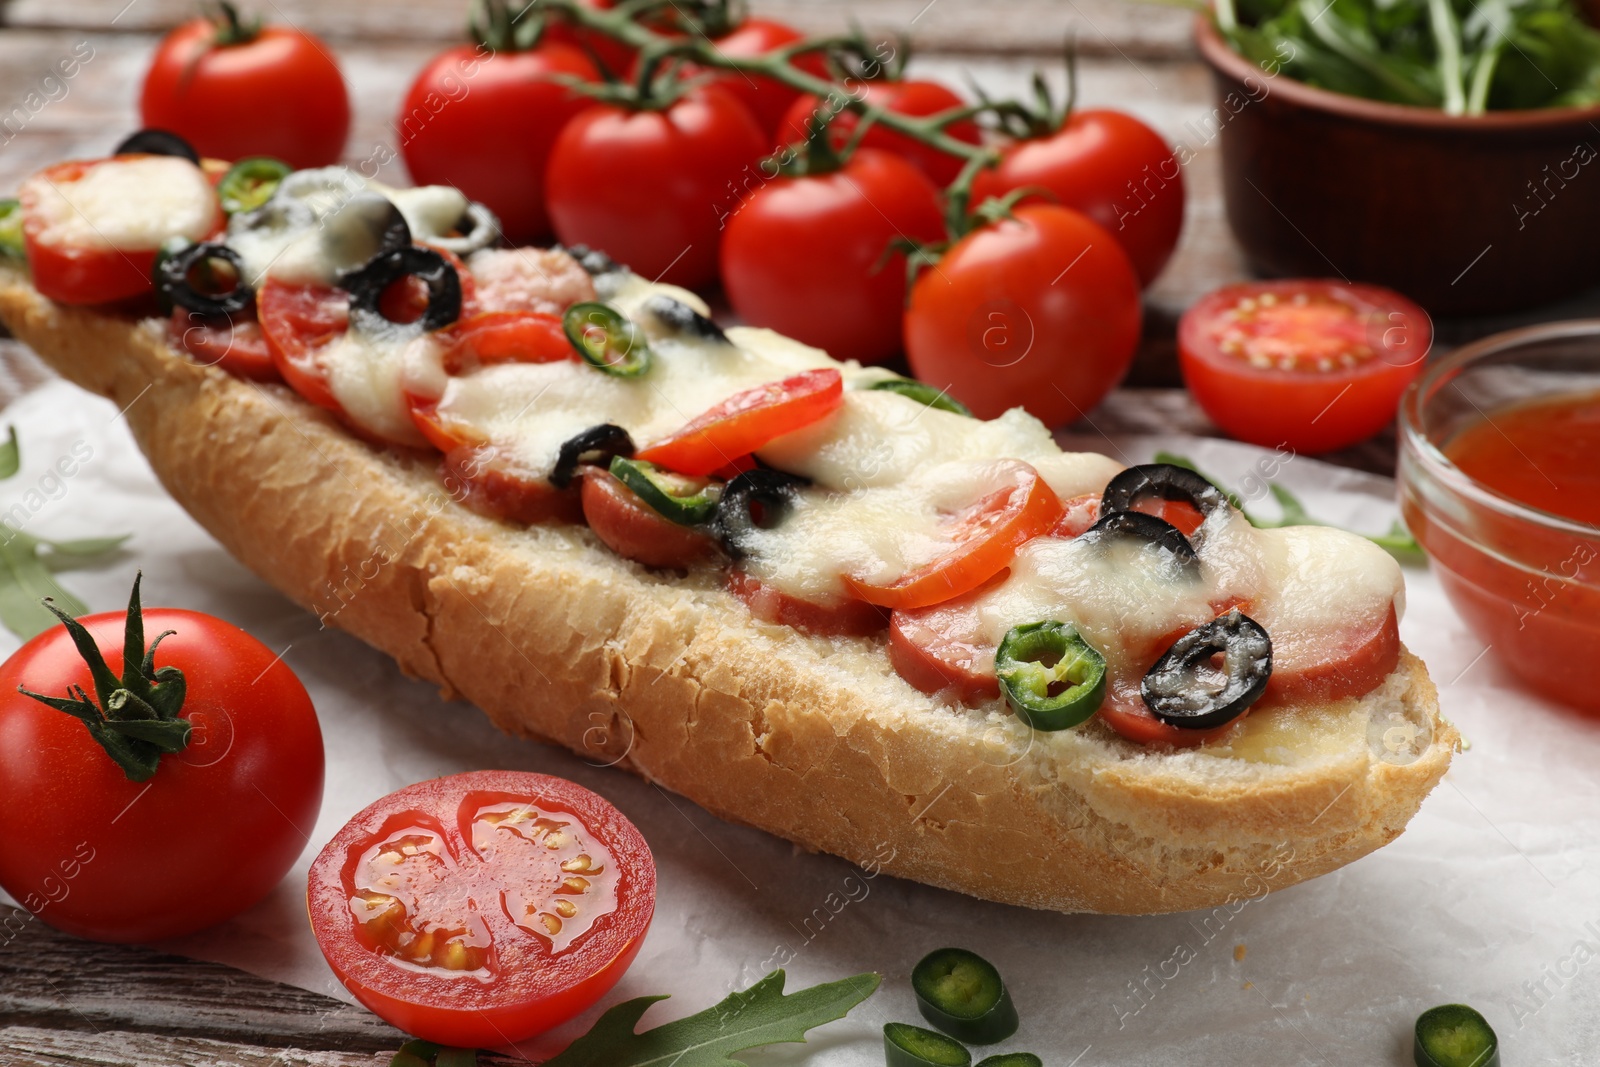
(667, 675)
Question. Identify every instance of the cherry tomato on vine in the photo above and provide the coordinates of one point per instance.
(486, 123)
(810, 256)
(651, 187)
(1111, 167)
(614, 55)
(914, 97)
(168, 842)
(1038, 310)
(1310, 365)
(768, 100)
(235, 89)
(483, 908)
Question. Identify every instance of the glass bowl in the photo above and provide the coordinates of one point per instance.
(1527, 581)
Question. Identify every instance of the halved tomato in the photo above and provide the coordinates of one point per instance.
(240, 348)
(747, 420)
(1082, 512)
(634, 530)
(483, 908)
(1308, 365)
(844, 617)
(982, 539)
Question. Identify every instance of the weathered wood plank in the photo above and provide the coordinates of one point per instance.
(1020, 27)
(27, 1046)
(50, 981)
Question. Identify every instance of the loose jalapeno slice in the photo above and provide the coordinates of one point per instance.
(603, 442)
(905, 1045)
(154, 142)
(923, 393)
(367, 284)
(11, 229)
(1185, 689)
(250, 183)
(684, 319)
(756, 499)
(1163, 480)
(1454, 1035)
(960, 992)
(175, 268)
(686, 501)
(1052, 678)
(606, 339)
(1011, 1059)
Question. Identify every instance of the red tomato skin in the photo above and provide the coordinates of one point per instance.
(611, 53)
(1306, 411)
(280, 95)
(652, 188)
(1114, 169)
(633, 530)
(915, 98)
(806, 256)
(741, 424)
(768, 100)
(524, 1000)
(1040, 311)
(208, 836)
(486, 123)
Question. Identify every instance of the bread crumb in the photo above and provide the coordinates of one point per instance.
(1248, 985)
(1238, 952)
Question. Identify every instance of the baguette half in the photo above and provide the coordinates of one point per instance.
(813, 739)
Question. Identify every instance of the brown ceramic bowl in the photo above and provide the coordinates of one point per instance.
(1467, 215)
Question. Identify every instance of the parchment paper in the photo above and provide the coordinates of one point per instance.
(1489, 898)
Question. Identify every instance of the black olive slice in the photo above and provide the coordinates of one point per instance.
(597, 443)
(366, 287)
(153, 142)
(592, 260)
(770, 491)
(1137, 526)
(1163, 480)
(1187, 690)
(362, 228)
(679, 316)
(172, 280)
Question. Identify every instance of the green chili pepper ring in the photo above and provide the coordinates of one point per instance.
(250, 183)
(1454, 1035)
(607, 340)
(1011, 1059)
(962, 994)
(905, 1045)
(11, 243)
(674, 496)
(1052, 678)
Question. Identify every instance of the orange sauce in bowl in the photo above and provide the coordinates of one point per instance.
(1529, 590)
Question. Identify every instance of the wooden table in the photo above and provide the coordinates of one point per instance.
(67, 1001)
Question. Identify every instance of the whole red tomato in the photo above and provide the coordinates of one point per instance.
(651, 187)
(915, 98)
(1111, 167)
(485, 122)
(613, 54)
(767, 99)
(237, 89)
(210, 833)
(808, 256)
(1038, 310)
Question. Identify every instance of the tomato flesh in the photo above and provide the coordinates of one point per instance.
(1308, 365)
(747, 420)
(297, 321)
(983, 539)
(634, 530)
(507, 337)
(483, 908)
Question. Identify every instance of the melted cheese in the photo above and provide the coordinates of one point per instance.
(366, 374)
(127, 204)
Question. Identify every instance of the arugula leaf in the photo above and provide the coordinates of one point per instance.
(761, 1015)
(1464, 56)
(25, 576)
(1292, 512)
